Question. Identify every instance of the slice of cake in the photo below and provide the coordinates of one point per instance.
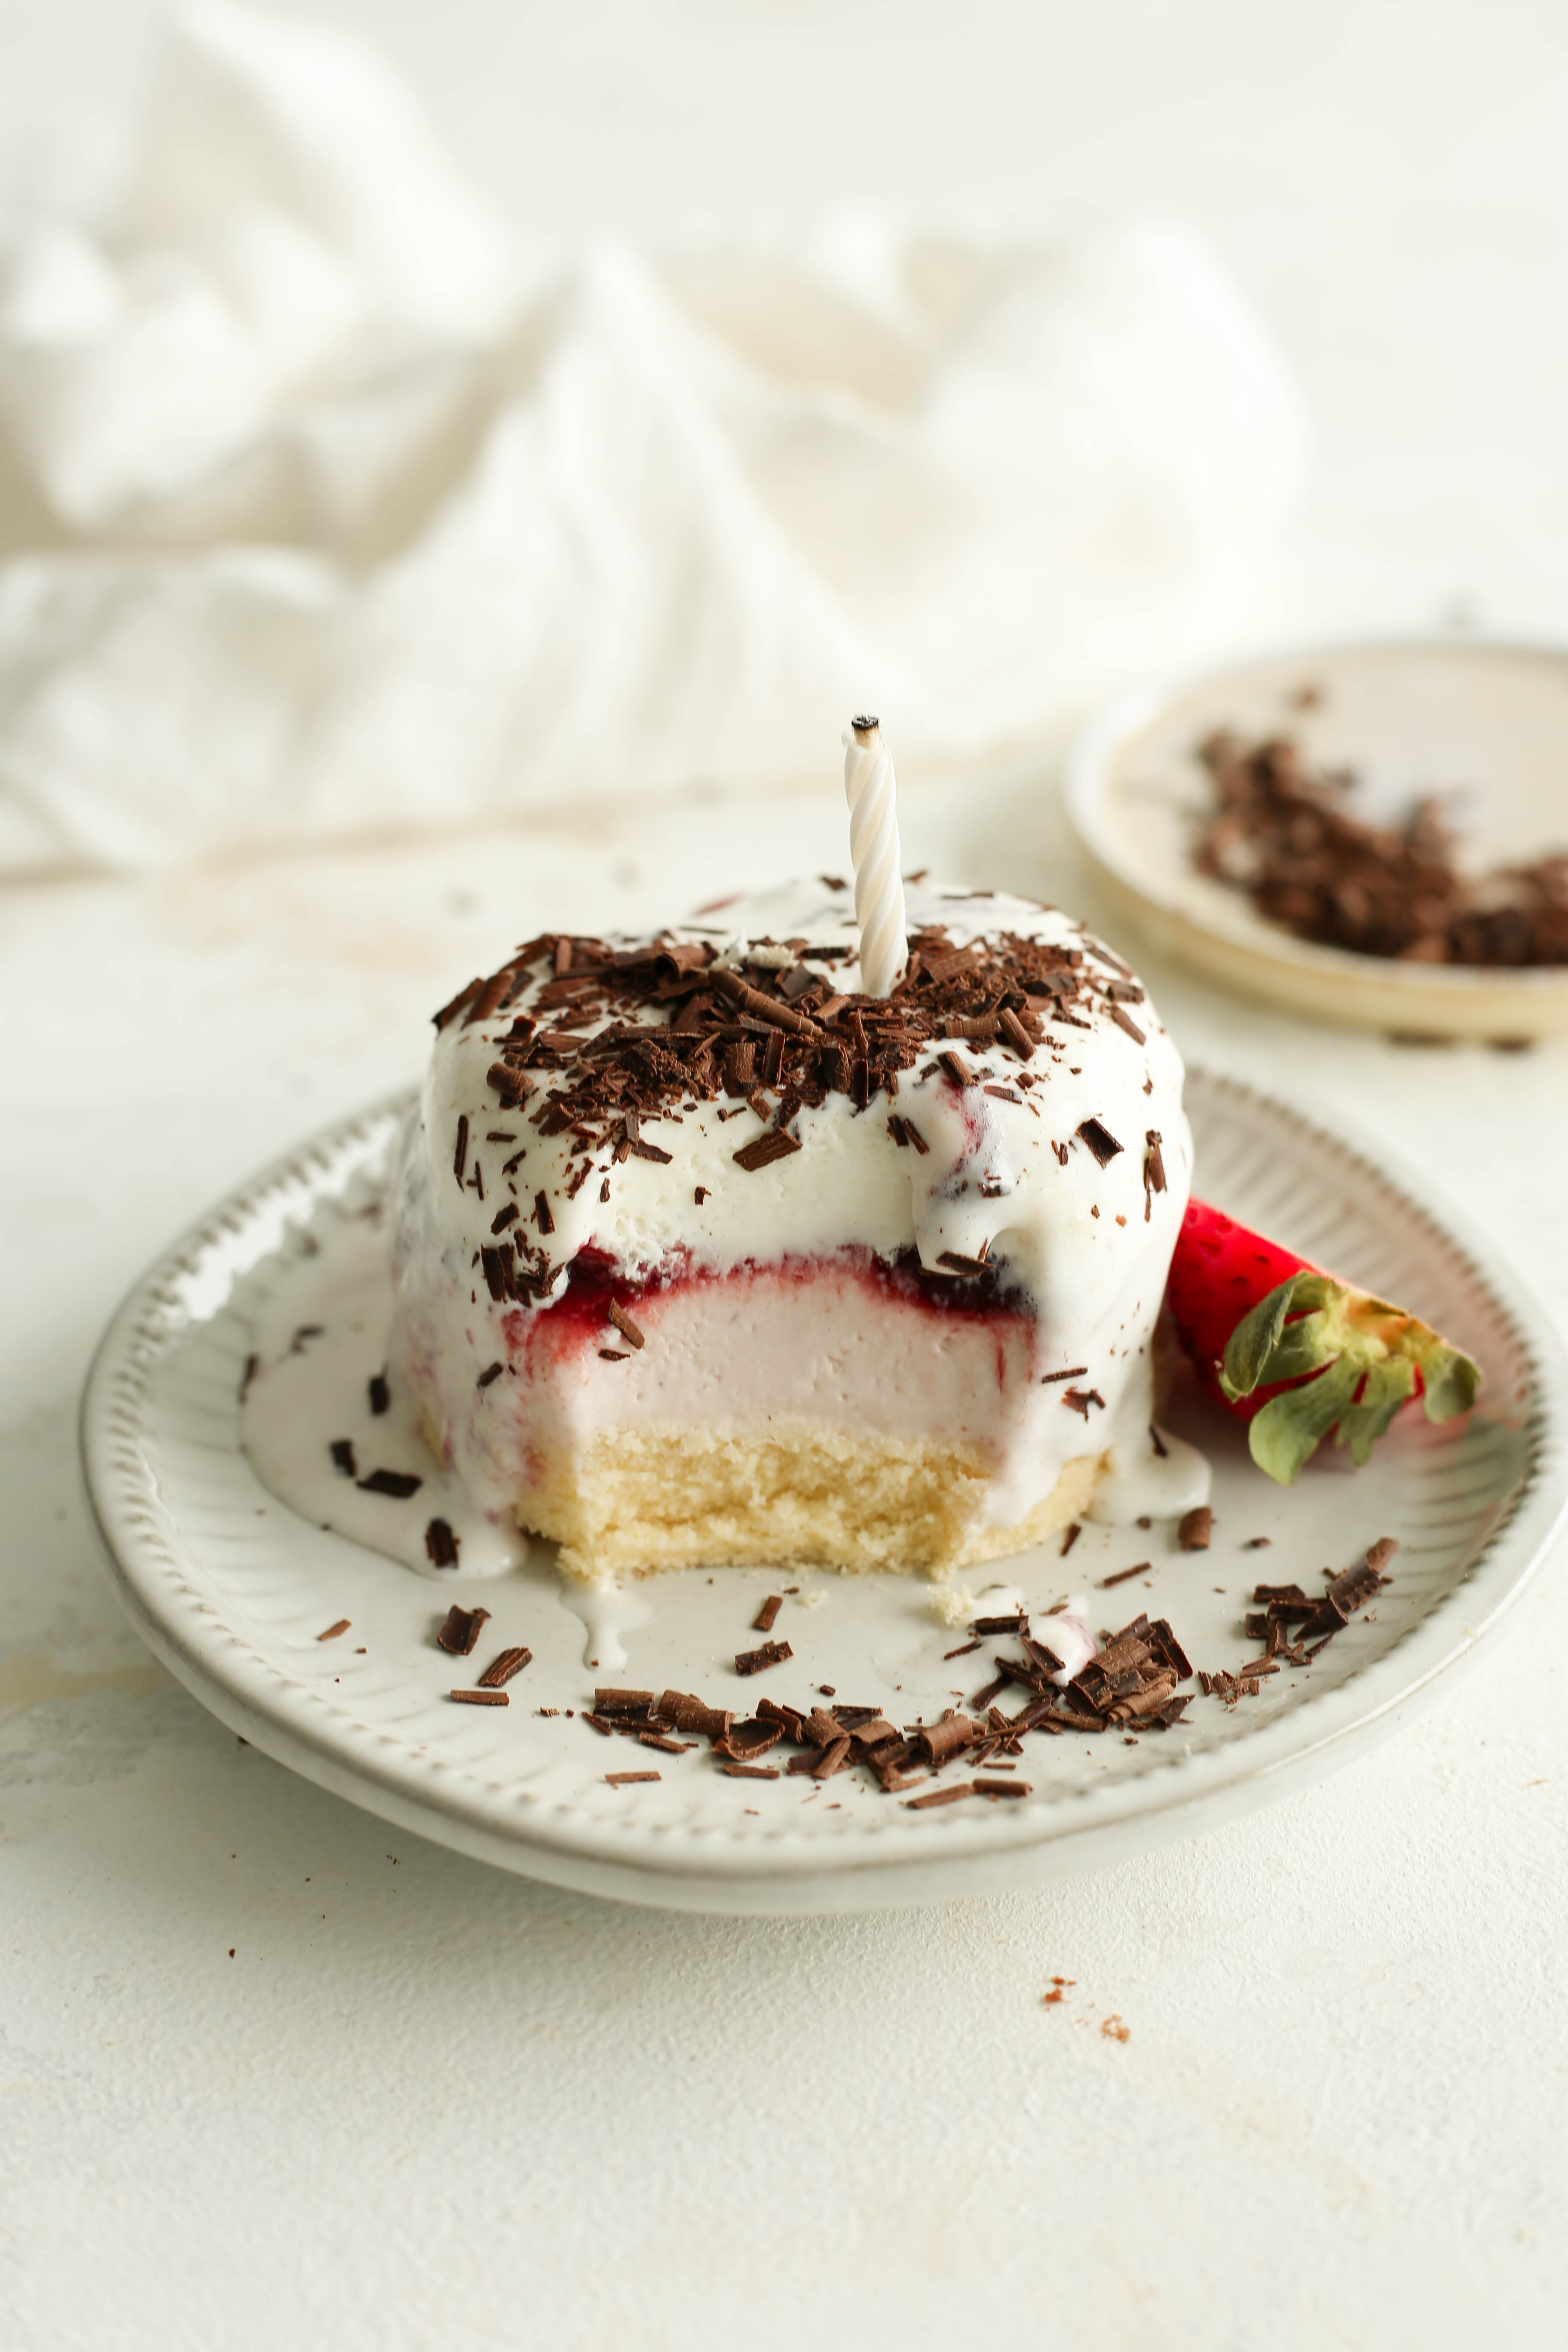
(704, 1257)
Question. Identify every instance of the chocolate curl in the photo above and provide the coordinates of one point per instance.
(946, 1738)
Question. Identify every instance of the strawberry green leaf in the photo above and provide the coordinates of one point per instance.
(1388, 1385)
(1288, 1429)
(1254, 1339)
(1304, 1346)
(1452, 1380)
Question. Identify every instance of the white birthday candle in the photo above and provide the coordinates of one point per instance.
(871, 790)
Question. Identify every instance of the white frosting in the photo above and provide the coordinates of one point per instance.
(1082, 1250)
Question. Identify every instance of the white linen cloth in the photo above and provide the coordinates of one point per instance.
(332, 512)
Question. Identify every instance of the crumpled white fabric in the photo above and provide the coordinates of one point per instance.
(361, 519)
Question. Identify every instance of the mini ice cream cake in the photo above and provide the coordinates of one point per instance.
(704, 1256)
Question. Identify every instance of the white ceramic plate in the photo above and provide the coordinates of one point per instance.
(1486, 721)
(231, 1589)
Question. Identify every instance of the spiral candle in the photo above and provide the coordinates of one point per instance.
(871, 790)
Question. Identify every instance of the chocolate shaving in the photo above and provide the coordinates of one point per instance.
(1016, 1035)
(950, 1796)
(399, 1483)
(342, 1453)
(461, 1630)
(1071, 1537)
(1124, 1020)
(988, 1787)
(502, 1667)
(622, 1322)
(763, 1150)
(492, 1372)
(763, 1622)
(380, 1394)
(1099, 1139)
(441, 1543)
(944, 1739)
(1196, 1530)
(479, 1697)
(749, 1772)
(460, 1157)
(1073, 1372)
(333, 1631)
(1125, 1575)
(689, 1714)
(625, 1780)
(633, 1705)
(745, 1741)
(449, 1012)
(770, 1653)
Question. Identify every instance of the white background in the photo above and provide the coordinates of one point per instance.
(425, 2104)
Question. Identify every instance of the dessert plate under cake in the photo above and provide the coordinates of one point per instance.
(234, 1591)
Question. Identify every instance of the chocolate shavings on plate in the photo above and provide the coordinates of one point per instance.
(1288, 834)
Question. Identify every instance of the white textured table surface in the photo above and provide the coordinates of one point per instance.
(426, 2105)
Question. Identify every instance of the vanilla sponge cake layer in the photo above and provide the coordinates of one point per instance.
(632, 1502)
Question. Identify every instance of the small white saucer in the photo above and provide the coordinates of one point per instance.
(233, 1591)
(1487, 720)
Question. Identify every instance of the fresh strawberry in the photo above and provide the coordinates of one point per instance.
(1297, 1352)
